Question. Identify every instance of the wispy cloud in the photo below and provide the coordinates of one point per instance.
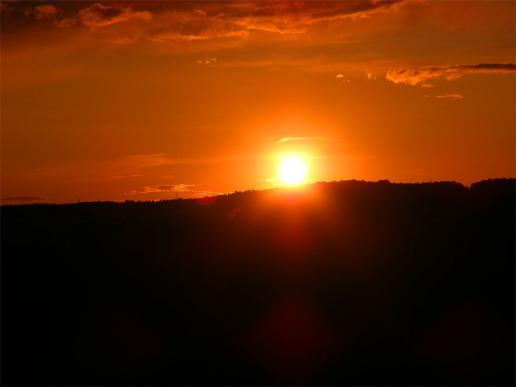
(370, 76)
(98, 15)
(173, 188)
(303, 139)
(162, 188)
(420, 76)
(206, 61)
(447, 96)
(342, 78)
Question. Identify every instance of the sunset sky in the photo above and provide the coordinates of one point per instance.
(149, 100)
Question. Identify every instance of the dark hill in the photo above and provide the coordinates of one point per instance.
(337, 283)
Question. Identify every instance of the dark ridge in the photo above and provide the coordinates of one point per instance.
(343, 283)
(449, 184)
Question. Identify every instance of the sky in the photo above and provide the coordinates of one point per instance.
(154, 100)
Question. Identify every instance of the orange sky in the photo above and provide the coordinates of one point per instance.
(146, 100)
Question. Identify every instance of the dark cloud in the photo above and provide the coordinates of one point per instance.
(419, 76)
(42, 12)
(201, 20)
(99, 15)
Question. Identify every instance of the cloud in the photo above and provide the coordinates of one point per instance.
(182, 21)
(322, 11)
(447, 96)
(370, 76)
(42, 12)
(213, 20)
(23, 199)
(341, 77)
(205, 35)
(173, 188)
(162, 188)
(420, 76)
(206, 61)
(303, 139)
(98, 15)
(193, 26)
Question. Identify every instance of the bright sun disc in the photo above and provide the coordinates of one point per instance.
(292, 170)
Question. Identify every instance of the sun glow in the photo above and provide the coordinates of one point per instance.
(292, 170)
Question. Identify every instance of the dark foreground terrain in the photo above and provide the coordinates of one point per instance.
(336, 283)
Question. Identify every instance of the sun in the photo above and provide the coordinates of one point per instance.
(292, 170)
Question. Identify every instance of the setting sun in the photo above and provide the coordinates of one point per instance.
(292, 170)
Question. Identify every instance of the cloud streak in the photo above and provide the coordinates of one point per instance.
(420, 76)
(453, 96)
(181, 188)
(302, 139)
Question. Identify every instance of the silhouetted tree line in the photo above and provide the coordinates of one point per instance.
(336, 283)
